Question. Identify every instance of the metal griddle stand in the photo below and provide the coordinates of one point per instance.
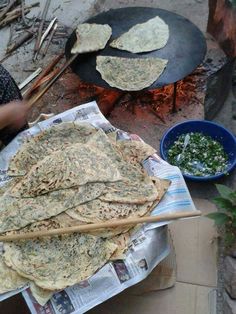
(185, 49)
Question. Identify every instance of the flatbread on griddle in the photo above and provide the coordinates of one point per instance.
(16, 213)
(130, 74)
(75, 257)
(55, 138)
(144, 37)
(91, 37)
(76, 165)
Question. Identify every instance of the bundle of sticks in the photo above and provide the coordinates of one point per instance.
(36, 27)
(13, 10)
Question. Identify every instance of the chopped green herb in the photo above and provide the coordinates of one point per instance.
(202, 156)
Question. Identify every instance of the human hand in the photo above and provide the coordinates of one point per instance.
(13, 115)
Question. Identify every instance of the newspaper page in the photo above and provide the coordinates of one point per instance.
(149, 246)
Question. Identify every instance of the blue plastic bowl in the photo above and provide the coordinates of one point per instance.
(216, 131)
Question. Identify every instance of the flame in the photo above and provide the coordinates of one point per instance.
(160, 100)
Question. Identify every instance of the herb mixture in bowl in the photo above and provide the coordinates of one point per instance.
(197, 154)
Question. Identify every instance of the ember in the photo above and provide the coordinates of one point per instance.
(161, 101)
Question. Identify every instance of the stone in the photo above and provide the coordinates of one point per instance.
(230, 276)
(229, 305)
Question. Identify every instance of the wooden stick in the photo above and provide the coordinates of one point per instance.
(20, 40)
(30, 78)
(7, 8)
(23, 13)
(34, 99)
(47, 70)
(107, 224)
(18, 9)
(9, 19)
(44, 52)
(40, 30)
(14, 14)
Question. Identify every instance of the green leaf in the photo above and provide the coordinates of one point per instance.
(219, 218)
(224, 204)
(232, 196)
(223, 190)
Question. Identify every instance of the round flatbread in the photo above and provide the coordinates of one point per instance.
(57, 137)
(76, 165)
(75, 257)
(91, 37)
(144, 37)
(130, 74)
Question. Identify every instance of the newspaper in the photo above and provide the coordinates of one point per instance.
(148, 246)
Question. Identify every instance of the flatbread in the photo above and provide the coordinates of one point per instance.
(16, 213)
(131, 191)
(10, 279)
(136, 187)
(76, 165)
(135, 152)
(91, 37)
(42, 296)
(130, 74)
(100, 211)
(144, 37)
(122, 241)
(75, 257)
(102, 143)
(55, 138)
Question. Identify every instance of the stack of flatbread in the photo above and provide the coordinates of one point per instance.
(68, 175)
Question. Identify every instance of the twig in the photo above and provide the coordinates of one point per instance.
(10, 36)
(45, 34)
(30, 78)
(7, 8)
(9, 19)
(23, 13)
(34, 99)
(43, 74)
(14, 14)
(18, 9)
(44, 80)
(49, 40)
(40, 30)
(21, 39)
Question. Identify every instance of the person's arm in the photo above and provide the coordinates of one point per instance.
(13, 115)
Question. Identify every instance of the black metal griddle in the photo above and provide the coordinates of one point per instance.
(185, 49)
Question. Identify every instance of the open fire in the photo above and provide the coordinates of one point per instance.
(161, 101)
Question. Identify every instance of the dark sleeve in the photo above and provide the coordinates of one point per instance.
(9, 90)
